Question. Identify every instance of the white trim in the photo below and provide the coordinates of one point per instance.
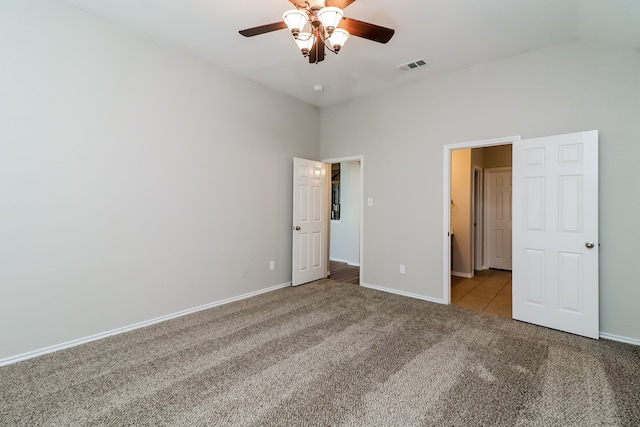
(353, 264)
(446, 225)
(402, 293)
(74, 343)
(336, 221)
(343, 159)
(460, 274)
(360, 159)
(446, 203)
(478, 219)
(483, 143)
(627, 340)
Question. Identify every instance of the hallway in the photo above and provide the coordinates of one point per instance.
(488, 291)
(343, 272)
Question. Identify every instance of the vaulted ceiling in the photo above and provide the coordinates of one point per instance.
(448, 34)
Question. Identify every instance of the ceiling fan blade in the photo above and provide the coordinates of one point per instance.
(367, 31)
(338, 3)
(255, 31)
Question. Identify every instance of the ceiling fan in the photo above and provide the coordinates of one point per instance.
(319, 24)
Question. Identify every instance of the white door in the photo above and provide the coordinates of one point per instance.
(498, 218)
(555, 232)
(309, 221)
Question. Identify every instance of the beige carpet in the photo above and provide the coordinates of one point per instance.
(330, 353)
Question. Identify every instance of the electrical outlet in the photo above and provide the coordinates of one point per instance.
(370, 201)
(272, 265)
(402, 269)
(244, 271)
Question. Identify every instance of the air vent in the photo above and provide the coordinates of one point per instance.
(412, 65)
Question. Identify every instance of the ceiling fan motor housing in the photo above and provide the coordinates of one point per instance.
(316, 4)
(315, 21)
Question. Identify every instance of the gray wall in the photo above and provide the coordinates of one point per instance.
(131, 186)
(561, 89)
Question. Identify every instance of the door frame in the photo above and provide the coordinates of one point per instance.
(446, 203)
(477, 209)
(359, 158)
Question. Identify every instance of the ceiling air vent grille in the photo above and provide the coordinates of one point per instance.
(412, 65)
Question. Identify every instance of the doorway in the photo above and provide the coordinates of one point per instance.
(480, 216)
(488, 291)
(345, 212)
(464, 243)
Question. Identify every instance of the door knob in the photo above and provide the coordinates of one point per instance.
(298, 229)
(589, 245)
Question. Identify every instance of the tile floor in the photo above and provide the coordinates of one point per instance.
(488, 291)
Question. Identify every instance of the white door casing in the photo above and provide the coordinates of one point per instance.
(555, 232)
(478, 220)
(309, 261)
(498, 218)
(360, 160)
(446, 203)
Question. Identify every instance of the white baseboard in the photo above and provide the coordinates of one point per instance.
(619, 338)
(353, 264)
(460, 274)
(603, 335)
(403, 293)
(35, 353)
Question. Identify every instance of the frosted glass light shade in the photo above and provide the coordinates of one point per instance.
(338, 39)
(295, 20)
(305, 42)
(330, 17)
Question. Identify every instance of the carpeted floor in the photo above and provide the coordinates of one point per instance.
(329, 353)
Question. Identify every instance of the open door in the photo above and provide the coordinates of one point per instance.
(555, 232)
(309, 221)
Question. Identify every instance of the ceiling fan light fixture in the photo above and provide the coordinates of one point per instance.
(305, 42)
(295, 20)
(318, 28)
(337, 39)
(330, 18)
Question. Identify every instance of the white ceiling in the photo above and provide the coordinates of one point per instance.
(448, 34)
